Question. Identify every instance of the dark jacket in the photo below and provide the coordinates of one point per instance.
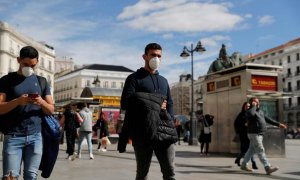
(50, 153)
(143, 81)
(102, 125)
(142, 119)
(240, 123)
(257, 121)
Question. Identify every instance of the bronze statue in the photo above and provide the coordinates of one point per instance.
(224, 61)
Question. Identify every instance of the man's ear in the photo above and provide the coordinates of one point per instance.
(144, 56)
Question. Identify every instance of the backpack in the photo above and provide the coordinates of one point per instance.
(5, 125)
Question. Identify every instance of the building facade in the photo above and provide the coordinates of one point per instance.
(64, 64)
(71, 85)
(11, 43)
(181, 95)
(288, 56)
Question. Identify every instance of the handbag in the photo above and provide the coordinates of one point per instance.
(105, 141)
(206, 128)
(51, 126)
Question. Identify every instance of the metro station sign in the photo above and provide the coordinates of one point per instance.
(265, 83)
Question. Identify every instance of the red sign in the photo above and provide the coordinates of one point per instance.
(266, 83)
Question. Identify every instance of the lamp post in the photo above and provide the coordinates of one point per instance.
(186, 53)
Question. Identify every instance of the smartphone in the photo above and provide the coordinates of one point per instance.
(33, 95)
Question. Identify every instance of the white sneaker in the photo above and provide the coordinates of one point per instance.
(104, 150)
(79, 156)
(73, 157)
(91, 156)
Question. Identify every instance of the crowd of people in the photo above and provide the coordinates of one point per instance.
(149, 121)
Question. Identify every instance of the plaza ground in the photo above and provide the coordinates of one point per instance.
(189, 165)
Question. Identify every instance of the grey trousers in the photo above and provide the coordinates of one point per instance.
(165, 157)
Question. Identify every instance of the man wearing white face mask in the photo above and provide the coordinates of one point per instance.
(22, 104)
(147, 80)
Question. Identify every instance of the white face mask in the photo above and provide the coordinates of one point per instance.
(154, 63)
(27, 71)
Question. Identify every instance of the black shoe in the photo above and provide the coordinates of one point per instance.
(254, 165)
(237, 162)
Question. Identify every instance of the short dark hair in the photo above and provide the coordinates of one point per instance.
(81, 105)
(29, 52)
(252, 99)
(152, 46)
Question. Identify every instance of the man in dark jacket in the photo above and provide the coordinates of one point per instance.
(256, 127)
(147, 80)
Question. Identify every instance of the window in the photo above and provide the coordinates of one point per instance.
(42, 62)
(298, 85)
(290, 102)
(280, 62)
(122, 84)
(49, 80)
(106, 84)
(298, 101)
(289, 86)
(88, 83)
(50, 65)
(113, 85)
(289, 72)
(272, 62)
(288, 59)
(298, 56)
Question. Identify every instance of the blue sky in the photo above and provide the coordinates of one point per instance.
(116, 31)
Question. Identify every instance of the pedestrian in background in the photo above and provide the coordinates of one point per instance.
(85, 130)
(179, 129)
(102, 127)
(70, 121)
(119, 124)
(187, 131)
(205, 135)
(256, 121)
(240, 126)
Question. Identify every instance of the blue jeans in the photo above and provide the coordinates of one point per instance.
(165, 157)
(22, 148)
(256, 146)
(88, 136)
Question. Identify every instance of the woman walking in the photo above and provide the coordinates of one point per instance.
(240, 126)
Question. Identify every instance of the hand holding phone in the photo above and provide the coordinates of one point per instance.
(33, 95)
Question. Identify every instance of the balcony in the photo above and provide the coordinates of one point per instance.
(297, 73)
(288, 89)
(289, 75)
(293, 106)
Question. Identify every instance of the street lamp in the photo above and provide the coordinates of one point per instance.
(185, 54)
